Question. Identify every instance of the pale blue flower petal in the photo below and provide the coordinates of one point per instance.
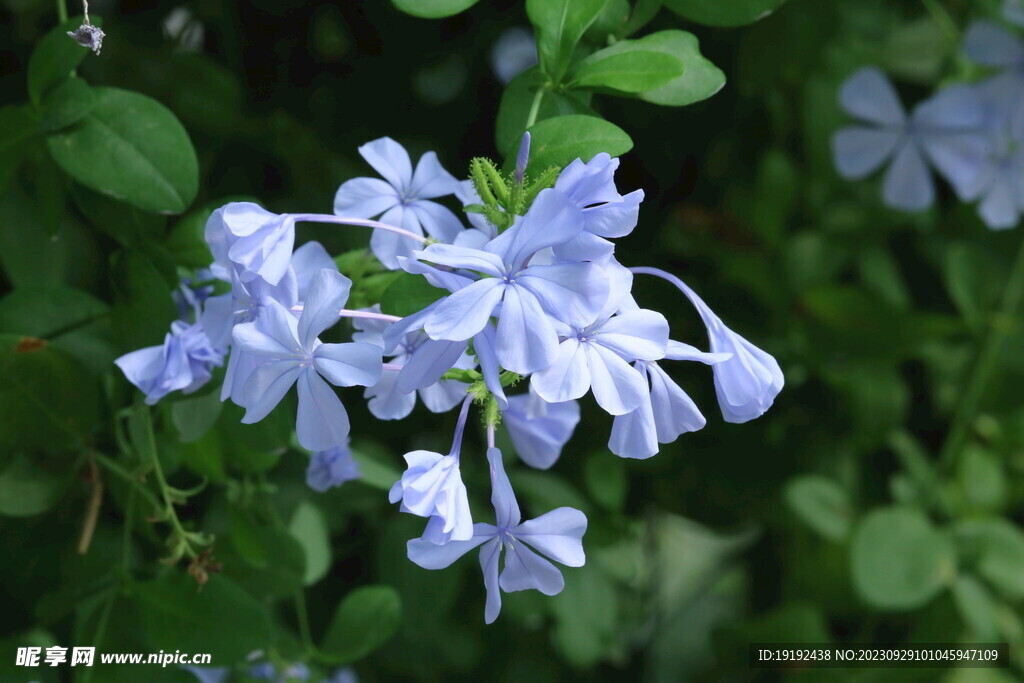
(431, 555)
(428, 362)
(390, 160)
(349, 364)
(321, 422)
(330, 468)
(988, 43)
(539, 438)
(438, 221)
(442, 396)
(506, 508)
(908, 183)
(489, 555)
(486, 352)
(265, 386)
(388, 246)
(365, 198)
(675, 413)
(860, 151)
(386, 402)
(551, 220)
(430, 180)
(635, 335)
(567, 378)
(463, 257)
(868, 95)
(307, 261)
(326, 296)
(573, 292)
(527, 342)
(526, 570)
(618, 387)
(634, 435)
(464, 313)
(558, 534)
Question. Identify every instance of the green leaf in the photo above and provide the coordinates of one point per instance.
(221, 619)
(517, 101)
(559, 141)
(310, 529)
(977, 607)
(193, 416)
(30, 486)
(996, 547)
(66, 105)
(822, 504)
(144, 309)
(974, 277)
(47, 312)
(559, 25)
(19, 126)
(631, 71)
(723, 12)
(131, 147)
(606, 479)
(273, 560)
(48, 402)
(433, 9)
(981, 480)
(699, 79)
(375, 466)
(899, 560)
(365, 620)
(408, 294)
(53, 59)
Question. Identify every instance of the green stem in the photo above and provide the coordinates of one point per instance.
(303, 618)
(172, 515)
(112, 466)
(941, 17)
(985, 364)
(535, 107)
(62, 12)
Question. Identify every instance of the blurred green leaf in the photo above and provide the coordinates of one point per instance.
(47, 312)
(66, 105)
(377, 465)
(723, 12)
(30, 485)
(310, 529)
(517, 101)
(974, 278)
(586, 616)
(899, 560)
(629, 71)
(822, 504)
(366, 619)
(606, 479)
(48, 402)
(131, 147)
(221, 619)
(981, 480)
(20, 126)
(561, 140)
(559, 25)
(273, 560)
(144, 309)
(995, 546)
(976, 606)
(408, 294)
(193, 416)
(53, 59)
(433, 9)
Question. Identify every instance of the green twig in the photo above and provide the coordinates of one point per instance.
(303, 618)
(941, 17)
(62, 12)
(112, 466)
(985, 364)
(535, 107)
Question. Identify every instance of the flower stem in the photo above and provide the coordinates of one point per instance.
(358, 222)
(941, 17)
(62, 12)
(302, 616)
(535, 107)
(985, 363)
(179, 532)
(490, 435)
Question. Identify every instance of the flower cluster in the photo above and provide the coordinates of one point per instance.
(530, 295)
(971, 134)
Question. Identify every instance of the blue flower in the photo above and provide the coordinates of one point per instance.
(557, 534)
(289, 352)
(192, 293)
(1013, 11)
(344, 675)
(403, 199)
(209, 674)
(668, 411)
(538, 429)
(248, 240)
(432, 487)
(330, 468)
(183, 362)
(528, 294)
(606, 213)
(515, 51)
(748, 381)
(422, 362)
(947, 130)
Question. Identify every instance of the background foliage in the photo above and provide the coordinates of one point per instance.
(846, 514)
